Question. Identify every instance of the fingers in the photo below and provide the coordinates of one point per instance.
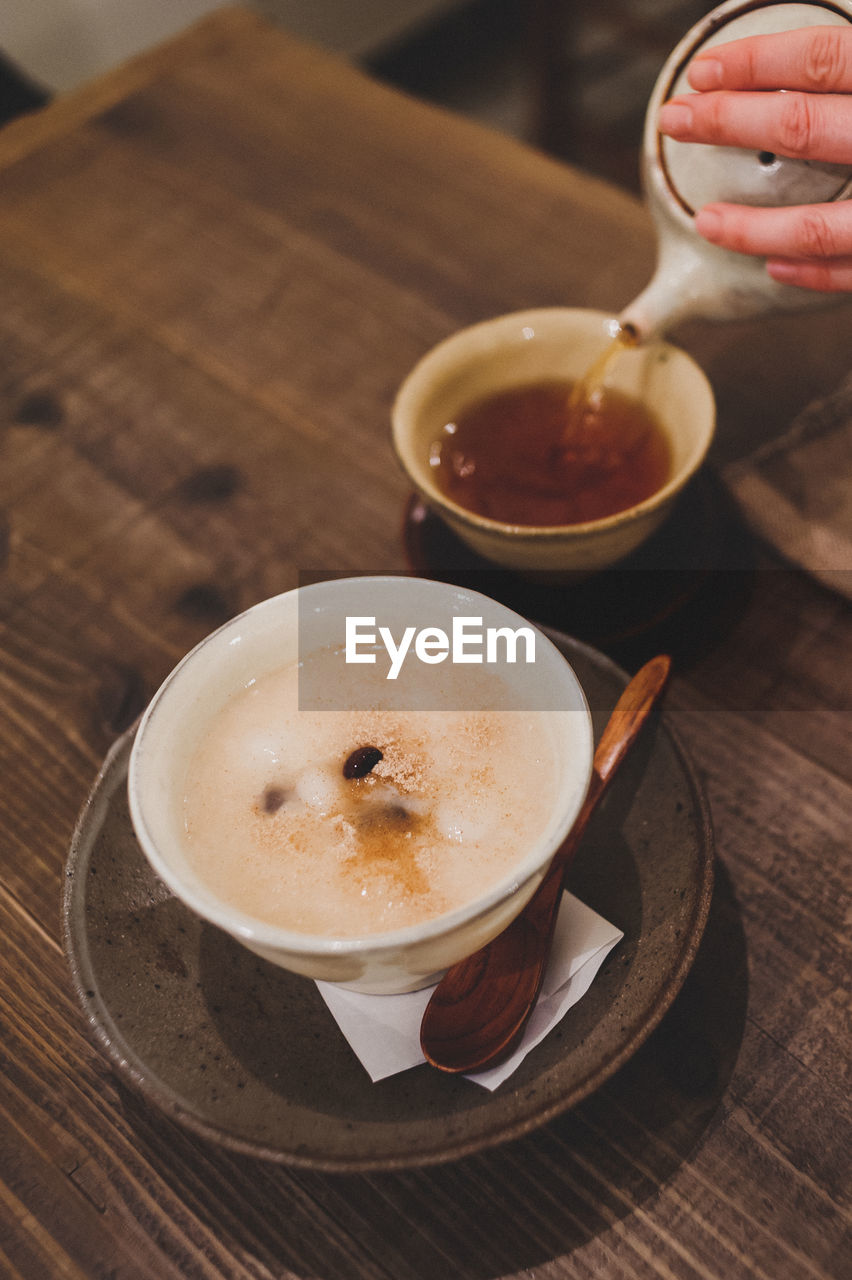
(813, 59)
(807, 245)
(815, 126)
(788, 94)
(801, 231)
(824, 277)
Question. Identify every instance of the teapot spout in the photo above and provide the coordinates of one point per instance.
(654, 312)
(684, 286)
(695, 280)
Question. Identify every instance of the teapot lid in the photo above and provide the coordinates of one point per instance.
(697, 173)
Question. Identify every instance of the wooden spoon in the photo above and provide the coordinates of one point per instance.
(478, 1011)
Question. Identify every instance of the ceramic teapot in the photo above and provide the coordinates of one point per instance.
(694, 278)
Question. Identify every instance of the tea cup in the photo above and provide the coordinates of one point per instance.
(286, 629)
(529, 347)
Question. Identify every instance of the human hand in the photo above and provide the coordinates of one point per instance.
(811, 118)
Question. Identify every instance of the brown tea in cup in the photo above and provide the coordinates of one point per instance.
(540, 454)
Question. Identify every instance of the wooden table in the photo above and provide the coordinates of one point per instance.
(216, 265)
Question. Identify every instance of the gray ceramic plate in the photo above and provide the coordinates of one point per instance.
(248, 1055)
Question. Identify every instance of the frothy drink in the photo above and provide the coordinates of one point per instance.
(350, 823)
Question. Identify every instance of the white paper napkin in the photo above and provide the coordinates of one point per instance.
(384, 1031)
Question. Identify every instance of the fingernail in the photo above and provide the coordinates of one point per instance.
(675, 119)
(705, 73)
(708, 223)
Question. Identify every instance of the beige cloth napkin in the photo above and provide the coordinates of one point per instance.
(796, 491)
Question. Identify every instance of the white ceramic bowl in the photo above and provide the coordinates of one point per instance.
(527, 346)
(266, 638)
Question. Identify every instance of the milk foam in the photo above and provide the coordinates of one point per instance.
(274, 828)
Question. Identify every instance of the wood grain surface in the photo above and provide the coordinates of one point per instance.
(216, 266)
